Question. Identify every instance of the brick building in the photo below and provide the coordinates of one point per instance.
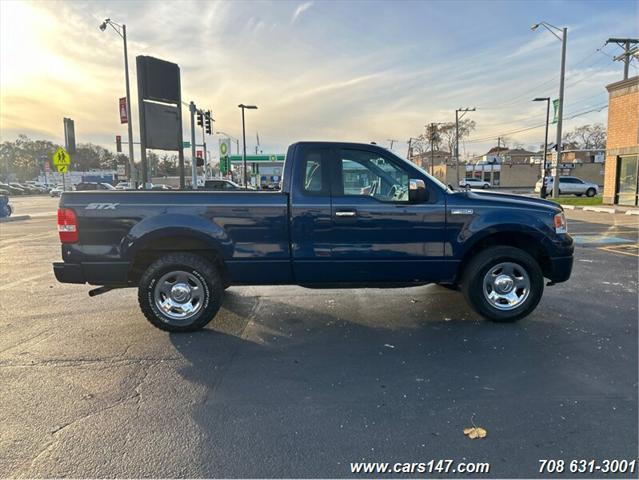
(621, 183)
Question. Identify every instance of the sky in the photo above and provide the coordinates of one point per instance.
(317, 70)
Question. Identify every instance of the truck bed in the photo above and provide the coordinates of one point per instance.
(244, 225)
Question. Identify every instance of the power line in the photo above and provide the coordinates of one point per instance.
(533, 127)
(555, 78)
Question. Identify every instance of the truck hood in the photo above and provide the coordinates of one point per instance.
(509, 199)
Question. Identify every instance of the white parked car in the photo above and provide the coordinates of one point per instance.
(570, 186)
(474, 183)
(123, 186)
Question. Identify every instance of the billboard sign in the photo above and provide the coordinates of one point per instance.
(161, 124)
(159, 80)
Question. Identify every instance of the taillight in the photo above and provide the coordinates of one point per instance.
(67, 225)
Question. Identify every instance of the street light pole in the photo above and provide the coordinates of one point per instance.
(543, 193)
(121, 30)
(560, 110)
(555, 183)
(244, 107)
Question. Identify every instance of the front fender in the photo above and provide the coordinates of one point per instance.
(465, 233)
(179, 226)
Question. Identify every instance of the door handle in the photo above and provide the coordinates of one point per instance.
(345, 213)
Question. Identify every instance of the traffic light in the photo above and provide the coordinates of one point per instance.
(118, 143)
(199, 119)
(208, 122)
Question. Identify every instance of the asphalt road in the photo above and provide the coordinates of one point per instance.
(299, 383)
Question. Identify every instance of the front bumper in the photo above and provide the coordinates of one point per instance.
(560, 269)
(94, 273)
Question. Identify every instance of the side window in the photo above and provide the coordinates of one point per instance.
(313, 172)
(370, 174)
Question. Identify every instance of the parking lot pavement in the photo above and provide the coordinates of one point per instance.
(38, 206)
(299, 383)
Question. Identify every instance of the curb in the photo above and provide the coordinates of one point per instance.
(14, 218)
(632, 212)
(599, 209)
(567, 207)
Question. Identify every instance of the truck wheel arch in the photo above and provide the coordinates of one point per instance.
(151, 248)
(517, 239)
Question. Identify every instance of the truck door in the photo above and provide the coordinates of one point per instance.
(377, 235)
(311, 221)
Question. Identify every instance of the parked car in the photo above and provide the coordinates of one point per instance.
(25, 188)
(123, 186)
(12, 190)
(220, 184)
(399, 226)
(570, 186)
(59, 189)
(474, 183)
(40, 187)
(5, 207)
(161, 186)
(84, 186)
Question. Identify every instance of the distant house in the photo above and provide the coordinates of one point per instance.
(583, 155)
(505, 155)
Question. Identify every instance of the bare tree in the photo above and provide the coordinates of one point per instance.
(586, 137)
(445, 134)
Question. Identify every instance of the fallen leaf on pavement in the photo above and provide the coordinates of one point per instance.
(475, 432)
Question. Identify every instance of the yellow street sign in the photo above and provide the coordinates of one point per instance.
(62, 168)
(61, 157)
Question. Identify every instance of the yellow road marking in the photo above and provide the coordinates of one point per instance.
(619, 249)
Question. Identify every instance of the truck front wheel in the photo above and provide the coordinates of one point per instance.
(503, 284)
(180, 292)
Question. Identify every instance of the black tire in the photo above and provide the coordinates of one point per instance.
(196, 267)
(476, 270)
(579, 194)
(484, 186)
(591, 192)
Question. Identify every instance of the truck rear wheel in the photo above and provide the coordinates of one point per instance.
(180, 292)
(503, 284)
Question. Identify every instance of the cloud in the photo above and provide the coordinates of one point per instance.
(301, 9)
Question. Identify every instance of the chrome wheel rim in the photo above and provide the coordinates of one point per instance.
(179, 295)
(506, 286)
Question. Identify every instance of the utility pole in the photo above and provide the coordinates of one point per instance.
(193, 110)
(457, 118)
(627, 54)
(433, 126)
(410, 142)
(392, 142)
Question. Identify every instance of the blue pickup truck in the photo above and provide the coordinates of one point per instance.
(348, 215)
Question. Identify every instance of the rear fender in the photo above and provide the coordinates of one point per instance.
(183, 228)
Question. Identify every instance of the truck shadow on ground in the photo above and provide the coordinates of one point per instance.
(335, 379)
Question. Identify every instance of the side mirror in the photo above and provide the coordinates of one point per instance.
(417, 192)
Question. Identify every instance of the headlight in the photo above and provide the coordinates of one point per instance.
(560, 223)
